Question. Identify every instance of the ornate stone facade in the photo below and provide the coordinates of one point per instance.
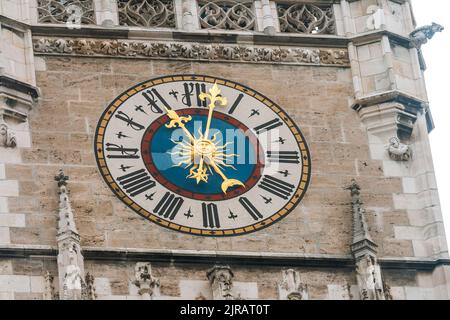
(147, 13)
(221, 280)
(227, 15)
(191, 51)
(350, 73)
(306, 18)
(292, 287)
(73, 12)
(148, 285)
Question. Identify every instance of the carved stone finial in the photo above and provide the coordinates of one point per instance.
(398, 151)
(66, 220)
(421, 35)
(291, 287)
(354, 189)
(362, 243)
(148, 285)
(70, 259)
(364, 250)
(221, 279)
(61, 178)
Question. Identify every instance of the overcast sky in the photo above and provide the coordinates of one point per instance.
(437, 76)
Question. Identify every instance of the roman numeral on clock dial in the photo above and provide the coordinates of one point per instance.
(254, 213)
(276, 186)
(136, 182)
(129, 121)
(283, 156)
(192, 92)
(210, 216)
(236, 103)
(275, 123)
(169, 206)
(122, 152)
(154, 98)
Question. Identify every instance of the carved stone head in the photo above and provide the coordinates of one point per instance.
(436, 27)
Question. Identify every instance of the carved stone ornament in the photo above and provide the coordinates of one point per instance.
(227, 15)
(72, 284)
(387, 291)
(362, 243)
(398, 151)
(368, 276)
(7, 136)
(49, 288)
(146, 13)
(306, 18)
(148, 285)
(88, 292)
(291, 287)
(421, 35)
(74, 12)
(192, 51)
(221, 279)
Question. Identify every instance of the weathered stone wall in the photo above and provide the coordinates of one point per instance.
(76, 90)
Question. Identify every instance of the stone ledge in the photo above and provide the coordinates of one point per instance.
(19, 86)
(222, 257)
(372, 36)
(228, 37)
(202, 36)
(389, 96)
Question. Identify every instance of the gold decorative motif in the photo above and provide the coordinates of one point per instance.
(202, 155)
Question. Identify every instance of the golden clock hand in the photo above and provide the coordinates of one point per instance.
(213, 96)
(198, 172)
(176, 120)
(227, 183)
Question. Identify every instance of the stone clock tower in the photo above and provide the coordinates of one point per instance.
(191, 149)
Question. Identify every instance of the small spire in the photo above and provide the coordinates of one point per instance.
(66, 221)
(362, 241)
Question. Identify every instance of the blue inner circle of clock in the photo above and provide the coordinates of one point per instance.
(227, 151)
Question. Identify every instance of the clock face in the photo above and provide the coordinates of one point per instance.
(202, 155)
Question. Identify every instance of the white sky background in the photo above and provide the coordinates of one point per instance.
(437, 76)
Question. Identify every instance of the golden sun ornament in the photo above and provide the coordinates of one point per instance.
(202, 155)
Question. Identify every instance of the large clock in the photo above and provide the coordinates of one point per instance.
(202, 155)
